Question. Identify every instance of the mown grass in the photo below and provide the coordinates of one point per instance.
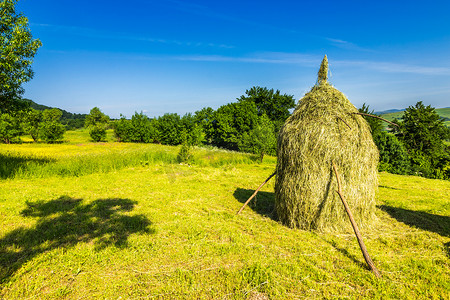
(169, 231)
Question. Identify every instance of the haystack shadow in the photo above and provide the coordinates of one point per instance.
(419, 219)
(65, 222)
(263, 203)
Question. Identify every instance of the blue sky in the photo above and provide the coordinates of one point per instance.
(180, 56)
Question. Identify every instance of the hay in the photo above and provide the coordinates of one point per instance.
(324, 129)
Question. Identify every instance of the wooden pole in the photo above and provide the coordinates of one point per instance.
(355, 228)
(256, 192)
(377, 117)
(344, 122)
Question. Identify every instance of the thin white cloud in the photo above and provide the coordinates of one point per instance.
(88, 32)
(264, 58)
(347, 45)
(389, 67)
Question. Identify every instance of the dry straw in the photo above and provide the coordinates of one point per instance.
(324, 129)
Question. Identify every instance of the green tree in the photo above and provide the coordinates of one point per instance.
(17, 50)
(205, 118)
(272, 103)
(123, 129)
(170, 129)
(140, 129)
(423, 133)
(193, 130)
(51, 129)
(231, 121)
(144, 129)
(10, 129)
(393, 154)
(261, 139)
(96, 122)
(32, 121)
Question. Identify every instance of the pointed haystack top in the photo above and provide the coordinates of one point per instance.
(322, 77)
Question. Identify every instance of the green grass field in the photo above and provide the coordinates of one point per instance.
(138, 225)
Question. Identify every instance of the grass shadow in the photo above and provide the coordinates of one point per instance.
(263, 203)
(426, 221)
(11, 164)
(65, 222)
(388, 187)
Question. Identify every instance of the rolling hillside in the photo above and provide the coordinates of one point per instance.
(442, 112)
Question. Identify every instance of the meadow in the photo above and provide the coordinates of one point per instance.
(83, 220)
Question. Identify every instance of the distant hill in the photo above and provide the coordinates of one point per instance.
(397, 114)
(65, 114)
(384, 112)
(71, 120)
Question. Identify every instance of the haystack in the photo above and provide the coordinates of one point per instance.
(324, 129)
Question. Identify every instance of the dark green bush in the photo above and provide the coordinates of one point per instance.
(393, 154)
(140, 129)
(97, 133)
(51, 130)
(10, 129)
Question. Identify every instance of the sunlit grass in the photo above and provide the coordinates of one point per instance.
(82, 157)
(168, 231)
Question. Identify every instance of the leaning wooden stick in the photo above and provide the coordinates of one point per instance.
(377, 117)
(256, 192)
(355, 228)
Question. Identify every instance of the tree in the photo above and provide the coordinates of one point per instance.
(205, 118)
(231, 121)
(17, 50)
(261, 139)
(393, 154)
(423, 131)
(51, 129)
(170, 129)
(272, 103)
(140, 129)
(32, 121)
(96, 122)
(144, 129)
(193, 133)
(10, 129)
(123, 129)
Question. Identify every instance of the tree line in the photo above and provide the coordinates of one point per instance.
(416, 146)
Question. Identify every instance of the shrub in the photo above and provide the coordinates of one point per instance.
(51, 129)
(261, 139)
(10, 129)
(32, 123)
(184, 156)
(140, 129)
(97, 133)
(97, 122)
(170, 129)
(393, 154)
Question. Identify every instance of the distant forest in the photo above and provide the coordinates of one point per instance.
(70, 120)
